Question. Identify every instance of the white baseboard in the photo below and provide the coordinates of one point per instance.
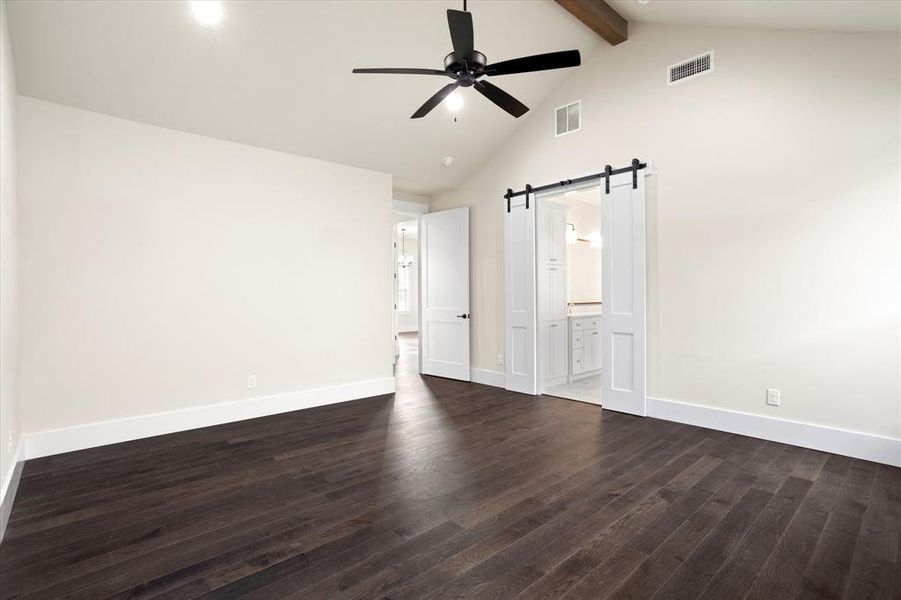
(866, 446)
(57, 441)
(486, 377)
(9, 487)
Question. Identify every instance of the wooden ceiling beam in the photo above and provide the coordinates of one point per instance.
(602, 19)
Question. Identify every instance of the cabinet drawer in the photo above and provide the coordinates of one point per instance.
(577, 339)
(578, 362)
(586, 323)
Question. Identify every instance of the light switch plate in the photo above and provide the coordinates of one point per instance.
(773, 397)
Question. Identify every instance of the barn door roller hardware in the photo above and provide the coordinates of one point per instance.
(608, 171)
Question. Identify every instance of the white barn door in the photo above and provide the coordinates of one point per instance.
(520, 327)
(444, 293)
(623, 282)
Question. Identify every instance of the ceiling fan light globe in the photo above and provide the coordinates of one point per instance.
(454, 102)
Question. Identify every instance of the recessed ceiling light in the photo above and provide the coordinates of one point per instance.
(207, 12)
(447, 161)
(454, 102)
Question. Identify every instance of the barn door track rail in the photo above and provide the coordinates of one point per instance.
(605, 175)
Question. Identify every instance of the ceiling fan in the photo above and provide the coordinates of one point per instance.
(466, 65)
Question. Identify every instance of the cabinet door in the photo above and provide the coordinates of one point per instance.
(557, 343)
(551, 234)
(553, 293)
(557, 284)
(557, 235)
(592, 342)
(553, 350)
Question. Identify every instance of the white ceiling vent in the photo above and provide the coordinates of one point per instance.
(689, 69)
(568, 118)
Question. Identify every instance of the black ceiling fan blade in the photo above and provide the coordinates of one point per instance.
(460, 25)
(393, 71)
(501, 98)
(434, 101)
(538, 62)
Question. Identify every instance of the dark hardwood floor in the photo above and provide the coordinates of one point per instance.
(449, 490)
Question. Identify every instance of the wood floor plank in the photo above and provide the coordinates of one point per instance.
(736, 575)
(455, 574)
(781, 575)
(450, 489)
(830, 565)
(694, 509)
(879, 541)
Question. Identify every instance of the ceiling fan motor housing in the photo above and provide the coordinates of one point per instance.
(466, 69)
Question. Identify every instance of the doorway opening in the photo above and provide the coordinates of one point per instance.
(431, 316)
(569, 250)
(407, 277)
(545, 324)
(405, 288)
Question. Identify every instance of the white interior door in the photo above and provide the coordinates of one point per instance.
(520, 327)
(623, 282)
(444, 293)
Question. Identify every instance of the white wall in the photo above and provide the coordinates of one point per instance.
(159, 269)
(773, 216)
(9, 290)
(410, 197)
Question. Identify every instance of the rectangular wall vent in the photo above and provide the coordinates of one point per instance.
(691, 68)
(568, 118)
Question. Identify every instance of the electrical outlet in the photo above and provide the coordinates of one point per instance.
(773, 397)
(251, 382)
(500, 359)
(9, 442)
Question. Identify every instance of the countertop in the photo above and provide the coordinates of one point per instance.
(584, 314)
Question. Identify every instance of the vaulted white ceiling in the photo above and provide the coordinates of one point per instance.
(277, 74)
(807, 15)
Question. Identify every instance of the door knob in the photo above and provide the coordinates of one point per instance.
(463, 316)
